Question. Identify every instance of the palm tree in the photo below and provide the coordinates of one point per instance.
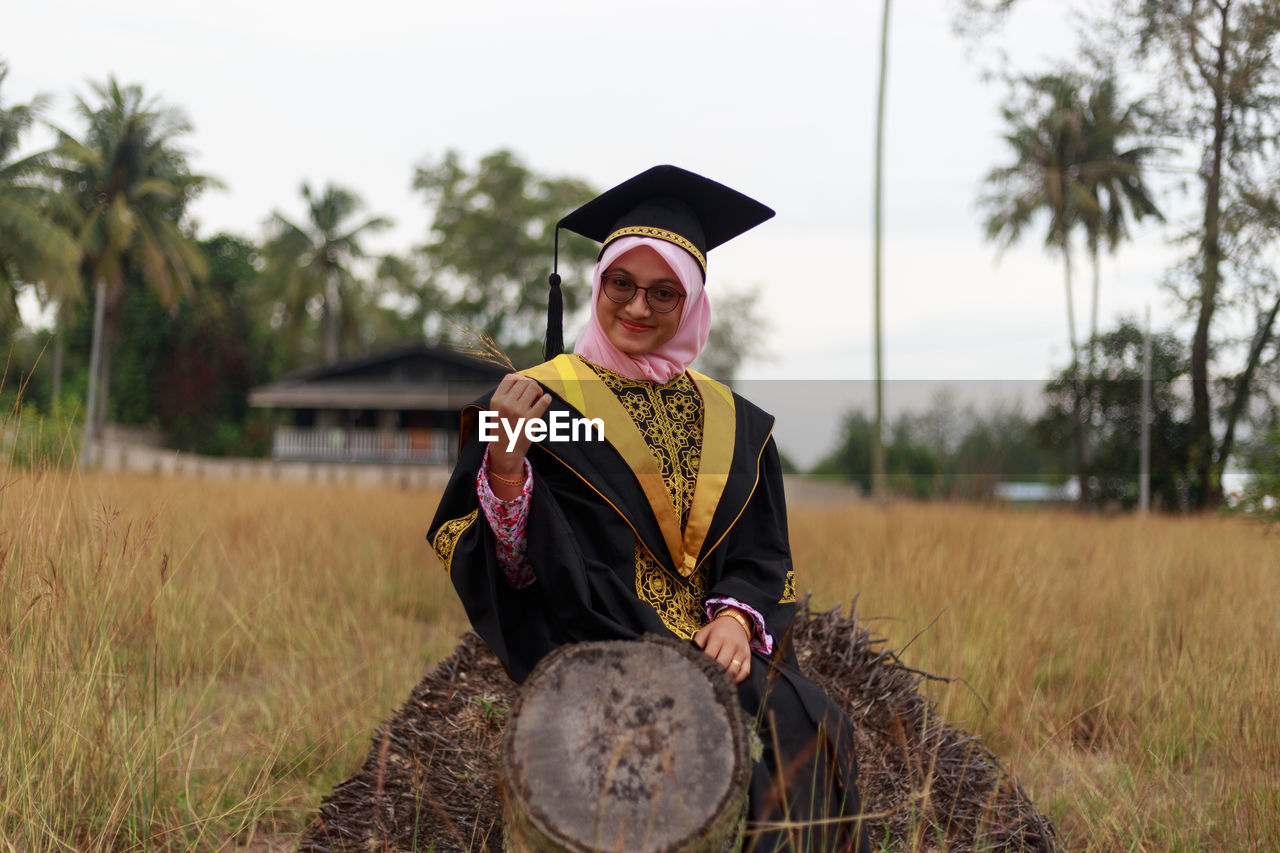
(34, 250)
(128, 183)
(1068, 163)
(1047, 137)
(1116, 181)
(311, 266)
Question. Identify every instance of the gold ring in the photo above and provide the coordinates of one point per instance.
(735, 662)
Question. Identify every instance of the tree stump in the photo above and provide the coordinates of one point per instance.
(626, 745)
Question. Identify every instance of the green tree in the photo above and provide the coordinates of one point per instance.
(1217, 79)
(1048, 175)
(407, 303)
(997, 446)
(187, 370)
(965, 452)
(1261, 495)
(1046, 123)
(127, 182)
(311, 268)
(913, 469)
(214, 351)
(1070, 139)
(1112, 401)
(851, 458)
(34, 249)
(1115, 176)
(490, 245)
(1219, 72)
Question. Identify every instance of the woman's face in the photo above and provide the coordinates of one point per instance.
(634, 327)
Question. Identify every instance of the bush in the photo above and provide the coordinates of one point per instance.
(32, 440)
(1261, 496)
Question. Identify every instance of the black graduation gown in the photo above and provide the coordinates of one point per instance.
(592, 503)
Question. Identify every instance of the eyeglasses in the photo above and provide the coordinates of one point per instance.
(661, 297)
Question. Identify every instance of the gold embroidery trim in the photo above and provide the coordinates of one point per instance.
(621, 432)
(789, 590)
(681, 607)
(447, 537)
(670, 419)
(661, 234)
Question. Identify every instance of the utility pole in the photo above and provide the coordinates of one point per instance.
(879, 480)
(1144, 448)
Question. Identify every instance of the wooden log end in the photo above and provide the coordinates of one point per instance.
(626, 745)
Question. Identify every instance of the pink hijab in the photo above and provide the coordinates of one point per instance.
(669, 360)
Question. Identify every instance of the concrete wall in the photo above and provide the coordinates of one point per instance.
(114, 456)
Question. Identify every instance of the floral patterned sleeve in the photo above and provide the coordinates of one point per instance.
(508, 520)
(761, 640)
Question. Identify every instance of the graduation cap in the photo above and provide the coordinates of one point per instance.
(666, 203)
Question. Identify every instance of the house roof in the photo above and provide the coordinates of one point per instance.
(415, 376)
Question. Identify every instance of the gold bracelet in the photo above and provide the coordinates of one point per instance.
(736, 617)
(502, 479)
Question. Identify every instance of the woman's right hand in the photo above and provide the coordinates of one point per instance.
(516, 397)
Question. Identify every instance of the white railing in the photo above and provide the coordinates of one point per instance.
(365, 445)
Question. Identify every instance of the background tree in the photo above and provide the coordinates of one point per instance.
(1112, 400)
(1046, 123)
(946, 451)
(995, 446)
(186, 370)
(912, 468)
(311, 268)
(407, 305)
(851, 457)
(490, 246)
(36, 251)
(1221, 82)
(1046, 119)
(215, 349)
(127, 182)
(1261, 495)
(1116, 178)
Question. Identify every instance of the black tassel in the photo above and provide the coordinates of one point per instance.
(555, 319)
(553, 344)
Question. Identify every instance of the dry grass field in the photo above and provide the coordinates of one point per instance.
(193, 664)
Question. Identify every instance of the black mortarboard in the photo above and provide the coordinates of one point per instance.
(667, 203)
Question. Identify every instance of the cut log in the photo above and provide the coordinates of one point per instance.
(636, 746)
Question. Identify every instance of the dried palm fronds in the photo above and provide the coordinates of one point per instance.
(429, 781)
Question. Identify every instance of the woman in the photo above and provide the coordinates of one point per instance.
(674, 523)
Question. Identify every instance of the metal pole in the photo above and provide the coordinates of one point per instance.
(879, 480)
(95, 360)
(1144, 452)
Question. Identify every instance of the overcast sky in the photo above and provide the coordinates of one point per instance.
(777, 100)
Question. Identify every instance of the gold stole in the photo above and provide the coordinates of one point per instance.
(577, 384)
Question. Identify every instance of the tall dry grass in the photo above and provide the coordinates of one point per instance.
(187, 663)
(1127, 670)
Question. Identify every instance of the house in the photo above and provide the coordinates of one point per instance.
(399, 405)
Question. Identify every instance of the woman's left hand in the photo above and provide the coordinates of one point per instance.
(724, 640)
